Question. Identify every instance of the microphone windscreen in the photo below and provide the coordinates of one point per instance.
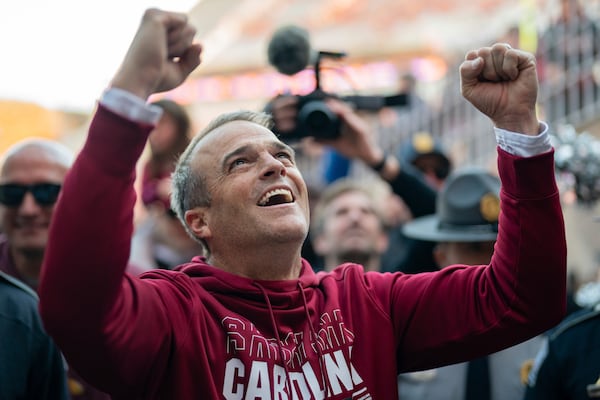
(289, 49)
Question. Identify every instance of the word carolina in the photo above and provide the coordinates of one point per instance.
(293, 368)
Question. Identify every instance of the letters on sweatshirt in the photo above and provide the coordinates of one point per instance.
(311, 369)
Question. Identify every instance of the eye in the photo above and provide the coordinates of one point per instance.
(285, 155)
(341, 212)
(238, 162)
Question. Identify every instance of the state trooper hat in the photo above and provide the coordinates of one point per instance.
(467, 210)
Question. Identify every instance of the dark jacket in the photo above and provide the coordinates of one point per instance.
(31, 366)
(569, 361)
(405, 254)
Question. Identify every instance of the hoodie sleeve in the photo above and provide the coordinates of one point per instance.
(462, 312)
(83, 276)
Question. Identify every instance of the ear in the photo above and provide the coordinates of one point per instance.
(196, 220)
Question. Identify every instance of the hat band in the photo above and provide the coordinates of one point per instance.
(482, 228)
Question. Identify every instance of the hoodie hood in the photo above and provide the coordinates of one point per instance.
(282, 293)
(282, 305)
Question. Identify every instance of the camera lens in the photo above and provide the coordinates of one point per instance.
(315, 119)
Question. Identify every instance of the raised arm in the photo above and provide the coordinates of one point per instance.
(85, 297)
(472, 311)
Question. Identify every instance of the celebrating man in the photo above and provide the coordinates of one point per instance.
(251, 319)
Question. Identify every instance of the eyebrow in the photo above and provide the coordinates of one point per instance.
(283, 146)
(234, 153)
(243, 149)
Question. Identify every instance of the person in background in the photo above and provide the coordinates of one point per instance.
(395, 183)
(465, 228)
(421, 158)
(348, 225)
(251, 319)
(31, 366)
(567, 365)
(159, 239)
(167, 141)
(409, 191)
(31, 176)
(424, 155)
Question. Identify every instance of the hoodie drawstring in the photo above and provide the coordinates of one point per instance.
(275, 327)
(313, 333)
(314, 339)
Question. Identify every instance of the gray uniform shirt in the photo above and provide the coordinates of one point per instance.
(448, 383)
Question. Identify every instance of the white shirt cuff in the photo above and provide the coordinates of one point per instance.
(522, 145)
(130, 106)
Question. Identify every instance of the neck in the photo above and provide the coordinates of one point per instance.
(260, 264)
(371, 262)
(28, 264)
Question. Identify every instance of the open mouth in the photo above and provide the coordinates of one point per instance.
(275, 197)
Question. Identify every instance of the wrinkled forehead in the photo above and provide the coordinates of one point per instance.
(353, 198)
(230, 137)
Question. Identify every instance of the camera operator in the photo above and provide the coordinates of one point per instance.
(416, 194)
(284, 110)
(308, 115)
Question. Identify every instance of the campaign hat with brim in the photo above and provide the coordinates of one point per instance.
(467, 210)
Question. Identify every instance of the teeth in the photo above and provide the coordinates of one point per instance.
(286, 196)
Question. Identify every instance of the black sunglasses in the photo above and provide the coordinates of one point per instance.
(45, 194)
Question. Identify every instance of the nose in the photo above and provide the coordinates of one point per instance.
(355, 215)
(29, 206)
(272, 166)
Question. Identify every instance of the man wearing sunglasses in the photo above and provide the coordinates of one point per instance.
(31, 177)
(30, 180)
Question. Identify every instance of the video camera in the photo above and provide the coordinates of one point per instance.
(289, 52)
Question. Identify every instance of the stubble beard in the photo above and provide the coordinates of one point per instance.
(356, 256)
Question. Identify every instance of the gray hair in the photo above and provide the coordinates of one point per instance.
(189, 187)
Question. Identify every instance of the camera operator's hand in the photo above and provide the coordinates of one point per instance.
(161, 55)
(357, 141)
(502, 83)
(284, 110)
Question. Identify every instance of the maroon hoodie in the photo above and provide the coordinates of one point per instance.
(202, 333)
